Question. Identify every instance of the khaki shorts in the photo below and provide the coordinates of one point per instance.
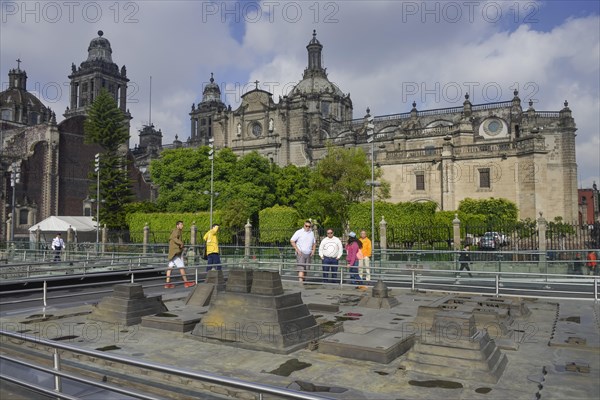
(303, 262)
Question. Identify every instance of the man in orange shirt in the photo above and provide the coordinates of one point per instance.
(591, 263)
(364, 265)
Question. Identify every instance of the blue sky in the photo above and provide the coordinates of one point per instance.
(387, 54)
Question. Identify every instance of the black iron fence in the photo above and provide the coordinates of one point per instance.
(555, 238)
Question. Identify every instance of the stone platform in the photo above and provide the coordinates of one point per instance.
(534, 369)
(378, 345)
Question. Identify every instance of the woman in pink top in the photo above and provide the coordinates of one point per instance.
(352, 261)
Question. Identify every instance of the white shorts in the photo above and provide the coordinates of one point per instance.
(176, 262)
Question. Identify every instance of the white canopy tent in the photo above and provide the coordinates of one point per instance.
(84, 228)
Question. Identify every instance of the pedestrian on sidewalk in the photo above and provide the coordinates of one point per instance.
(212, 248)
(304, 244)
(176, 256)
(591, 263)
(330, 251)
(364, 264)
(465, 259)
(352, 248)
(57, 245)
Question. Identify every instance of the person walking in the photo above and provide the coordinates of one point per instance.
(304, 243)
(578, 265)
(57, 245)
(330, 251)
(465, 259)
(352, 248)
(591, 263)
(364, 264)
(176, 256)
(212, 248)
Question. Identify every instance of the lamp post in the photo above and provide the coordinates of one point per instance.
(15, 178)
(372, 183)
(211, 157)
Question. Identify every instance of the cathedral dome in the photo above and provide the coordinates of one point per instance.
(99, 49)
(316, 85)
(20, 106)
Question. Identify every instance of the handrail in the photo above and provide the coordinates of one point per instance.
(164, 368)
(416, 275)
(71, 376)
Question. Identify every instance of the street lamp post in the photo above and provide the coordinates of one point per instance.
(211, 157)
(97, 170)
(372, 183)
(15, 178)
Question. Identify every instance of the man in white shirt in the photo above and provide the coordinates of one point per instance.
(303, 242)
(57, 245)
(330, 251)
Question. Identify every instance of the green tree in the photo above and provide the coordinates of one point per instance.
(339, 180)
(182, 176)
(249, 189)
(106, 126)
(244, 186)
(292, 185)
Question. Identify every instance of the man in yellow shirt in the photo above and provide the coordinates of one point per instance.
(212, 248)
(364, 265)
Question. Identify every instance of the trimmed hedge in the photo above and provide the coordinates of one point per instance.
(161, 225)
(278, 223)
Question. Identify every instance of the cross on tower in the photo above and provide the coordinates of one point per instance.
(256, 83)
(18, 63)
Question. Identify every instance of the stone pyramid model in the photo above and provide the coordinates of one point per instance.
(379, 297)
(455, 349)
(254, 313)
(127, 305)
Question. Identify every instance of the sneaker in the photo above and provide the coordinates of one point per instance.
(169, 286)
(189, 284)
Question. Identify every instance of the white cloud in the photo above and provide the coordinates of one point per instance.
(379, 51)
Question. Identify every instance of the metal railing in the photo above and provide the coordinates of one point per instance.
(59, 374)
(491, 273)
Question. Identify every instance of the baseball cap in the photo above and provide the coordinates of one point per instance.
(352, 234)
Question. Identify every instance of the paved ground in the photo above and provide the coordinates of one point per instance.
(555, 337)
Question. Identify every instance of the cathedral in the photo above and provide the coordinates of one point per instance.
(44, 165)
(443, 155)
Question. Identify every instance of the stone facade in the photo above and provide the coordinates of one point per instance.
(442, 155)
(53, 159)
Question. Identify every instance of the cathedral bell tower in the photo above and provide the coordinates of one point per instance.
(97, 72)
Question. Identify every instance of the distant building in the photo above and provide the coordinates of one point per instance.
(589, 205)
(53, 160)
(442, 155)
